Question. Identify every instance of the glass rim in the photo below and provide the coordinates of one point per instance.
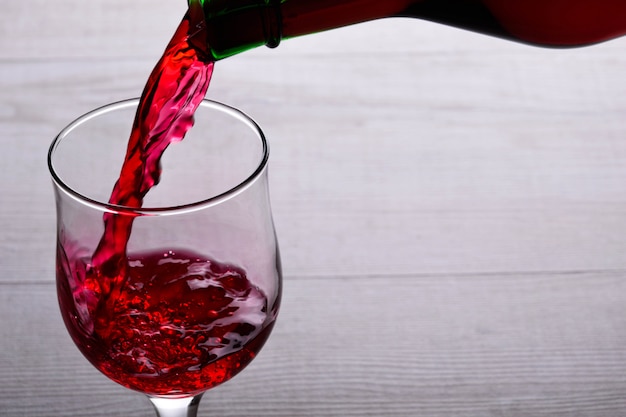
(166, 210)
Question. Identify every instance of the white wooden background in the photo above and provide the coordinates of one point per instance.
(451, 210)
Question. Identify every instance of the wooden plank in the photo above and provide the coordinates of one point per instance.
(454, 345)
(374, 173)
(57, 30)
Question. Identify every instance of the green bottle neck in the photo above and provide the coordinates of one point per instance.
(235, 26)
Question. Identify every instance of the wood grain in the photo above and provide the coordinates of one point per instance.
(460, 345)
(450, 209)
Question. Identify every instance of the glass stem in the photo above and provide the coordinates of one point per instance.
(176, 407)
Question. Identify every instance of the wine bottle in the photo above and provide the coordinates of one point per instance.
(238, 25)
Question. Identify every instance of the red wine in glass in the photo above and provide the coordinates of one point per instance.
(179, 323)
(161, 314)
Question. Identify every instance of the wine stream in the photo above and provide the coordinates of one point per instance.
(175, 88)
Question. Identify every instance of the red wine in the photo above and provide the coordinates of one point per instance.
(234, 26)
(179, 323)
(174, 90)
(167, 322)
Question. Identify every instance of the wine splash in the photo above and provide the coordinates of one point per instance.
(179, 323)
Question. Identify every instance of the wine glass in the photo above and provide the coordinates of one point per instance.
(180, 295)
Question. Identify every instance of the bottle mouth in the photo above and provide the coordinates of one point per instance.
(233, 27)
(272, 23)
(64, 184)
